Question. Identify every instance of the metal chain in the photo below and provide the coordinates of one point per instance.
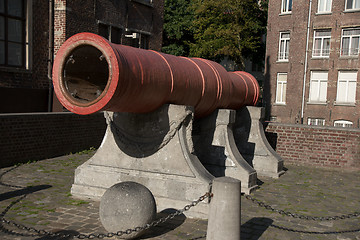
(313, 232)
(300, 216)
(100, 235)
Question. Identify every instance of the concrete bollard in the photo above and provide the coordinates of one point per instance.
(225, 210)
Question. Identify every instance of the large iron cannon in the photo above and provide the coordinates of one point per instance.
(91, 74)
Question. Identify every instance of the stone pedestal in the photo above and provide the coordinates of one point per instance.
(154, 149)
(252, 144)
(215, 147)
(161, 150)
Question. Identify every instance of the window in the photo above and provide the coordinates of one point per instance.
(350, 41)
(324, 6)
(352, 5)
(138, 40)
(343, 123)
(316, 121)
(318, 86)
(281, 88)
(12, 33)
(346, 88)
(284, 46)
(286, 6)
(321, 47)
(111, 33)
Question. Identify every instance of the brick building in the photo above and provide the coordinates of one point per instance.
(312, 62)
(31, 32)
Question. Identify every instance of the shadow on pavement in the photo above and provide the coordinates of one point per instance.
(63, 235)
(168, 226)
(24, 191)
(255, 227)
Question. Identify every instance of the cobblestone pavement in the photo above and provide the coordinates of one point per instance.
(46, 203)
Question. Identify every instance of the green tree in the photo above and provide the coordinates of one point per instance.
(231, 28)
(177, 27)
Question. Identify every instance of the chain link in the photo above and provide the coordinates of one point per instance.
(99, 235)
(300, 216)
(314, 232)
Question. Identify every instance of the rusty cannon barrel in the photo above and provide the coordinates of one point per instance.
(91, 74)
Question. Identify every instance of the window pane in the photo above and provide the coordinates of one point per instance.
(345, 46)
(352, 92)
(2, 6)
(2, 28)
(2, 52)
(326, 33)
(285, 35)
(341, 92)
(328, 6)
(354, 46)
(321, 6)
(326, 50)
(349, 4)
(115, 35)
(357, 4)
(282, 77)
(15, 54)
(15, 8)
(314, 89)
(323, 91)
(104, 31)
(15, 30)
(287, 50)
(290, 5)
(317, 47)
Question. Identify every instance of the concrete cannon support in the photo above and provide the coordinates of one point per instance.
(154, 149)
(252, 144)
(215, 147)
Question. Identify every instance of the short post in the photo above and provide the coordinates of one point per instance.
(225, 210)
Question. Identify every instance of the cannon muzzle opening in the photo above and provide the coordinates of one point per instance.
(85, 74)
(91, 74)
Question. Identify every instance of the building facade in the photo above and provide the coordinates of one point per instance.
(32, 31)
(312, 62)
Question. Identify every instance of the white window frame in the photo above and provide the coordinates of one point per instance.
(283, 54)
(353, 50)
(316, 121)
(349, 90)
(321, 53)
(318, 86)
(343, 123)
(286, 7)
(353, 5)
(280, 96)
(324, 6)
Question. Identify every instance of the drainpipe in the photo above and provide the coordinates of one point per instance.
(305, 64)
(51, 53)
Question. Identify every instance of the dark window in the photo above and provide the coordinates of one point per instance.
(111, 33)
(12, 33)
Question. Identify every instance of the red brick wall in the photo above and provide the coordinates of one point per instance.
(316, 146)
(28, 137)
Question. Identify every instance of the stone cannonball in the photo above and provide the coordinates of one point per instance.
(127, 205)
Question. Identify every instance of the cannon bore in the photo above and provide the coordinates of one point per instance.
(91, 74)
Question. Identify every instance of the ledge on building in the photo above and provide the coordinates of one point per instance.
(316, 103)
(345, 104)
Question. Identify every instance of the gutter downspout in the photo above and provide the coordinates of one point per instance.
(51, 54)
(305, 64)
